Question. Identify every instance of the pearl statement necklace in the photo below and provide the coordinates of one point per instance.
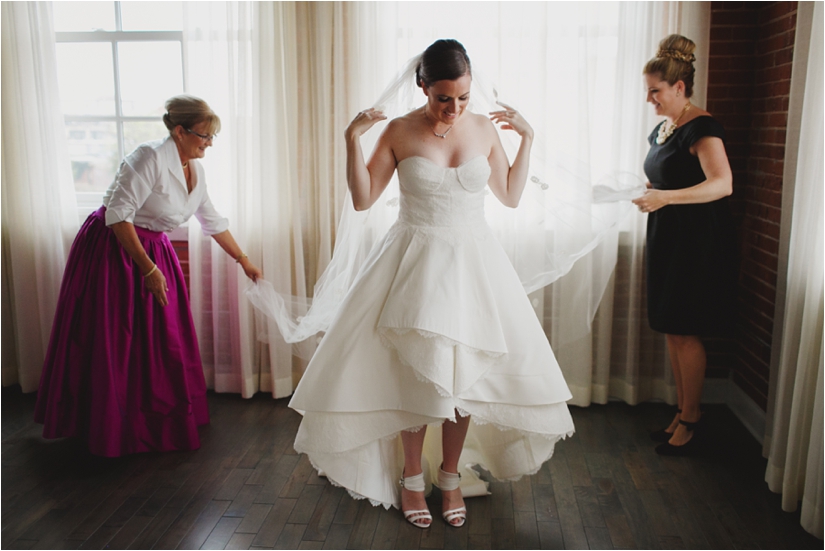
(666, 130)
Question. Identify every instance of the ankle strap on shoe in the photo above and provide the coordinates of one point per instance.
(413, 483)
(448, 481)
(688, 425)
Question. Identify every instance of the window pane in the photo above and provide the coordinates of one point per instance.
(152, 16)
(94, 155)
(84, 16)
(86, 78)
(135, 133)
(150, 73)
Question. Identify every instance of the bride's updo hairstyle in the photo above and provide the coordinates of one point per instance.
(674, 62)
(444, 59)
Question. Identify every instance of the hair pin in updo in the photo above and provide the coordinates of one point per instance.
(676, 54)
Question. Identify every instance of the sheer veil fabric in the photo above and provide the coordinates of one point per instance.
(556, 223)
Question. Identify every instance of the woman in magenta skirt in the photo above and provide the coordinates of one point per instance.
(123, 370)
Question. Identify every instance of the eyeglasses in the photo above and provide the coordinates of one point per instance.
(204, 137)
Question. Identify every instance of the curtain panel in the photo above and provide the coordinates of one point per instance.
(284, 77)
(793, 440)
(39, 208)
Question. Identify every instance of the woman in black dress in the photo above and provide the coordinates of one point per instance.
(691, 266)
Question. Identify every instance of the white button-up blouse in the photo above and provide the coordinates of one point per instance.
(149, 191)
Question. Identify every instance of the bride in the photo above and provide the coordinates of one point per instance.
(435, 356)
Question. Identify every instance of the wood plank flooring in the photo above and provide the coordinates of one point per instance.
(246, 488)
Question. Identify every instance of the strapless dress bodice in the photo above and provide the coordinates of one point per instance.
(436, 196)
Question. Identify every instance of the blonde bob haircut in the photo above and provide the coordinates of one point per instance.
(187, 111)
(674, 62)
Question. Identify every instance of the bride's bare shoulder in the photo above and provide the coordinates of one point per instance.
(403, 124)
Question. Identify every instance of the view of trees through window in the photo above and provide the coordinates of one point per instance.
(117, 64)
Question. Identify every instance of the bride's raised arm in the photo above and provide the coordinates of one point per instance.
(507, 182)
(366, 182)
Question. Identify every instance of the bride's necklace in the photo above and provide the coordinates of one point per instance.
(666, 130)
(442, 136)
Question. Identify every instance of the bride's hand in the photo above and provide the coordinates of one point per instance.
(510, 119)
(363, 121)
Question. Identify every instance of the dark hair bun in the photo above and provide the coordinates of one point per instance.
(444, 59)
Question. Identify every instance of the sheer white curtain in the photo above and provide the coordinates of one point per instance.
(794, 434)
(284, 77)
(241, 57)
(38, 200)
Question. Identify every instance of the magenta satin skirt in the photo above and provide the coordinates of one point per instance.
(121, 371)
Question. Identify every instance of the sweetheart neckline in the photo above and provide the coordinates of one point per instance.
(468, 161)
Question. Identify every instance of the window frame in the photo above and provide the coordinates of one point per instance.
(87, 201)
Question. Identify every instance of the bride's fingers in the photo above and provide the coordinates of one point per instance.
(372, 113)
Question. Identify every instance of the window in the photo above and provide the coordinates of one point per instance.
(117, 64)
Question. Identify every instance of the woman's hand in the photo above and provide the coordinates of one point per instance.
(510, 119)
(652, 200)
(251, 271)
(155, 283)
(363, 121)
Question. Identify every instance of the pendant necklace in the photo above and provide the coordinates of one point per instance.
(442, 136)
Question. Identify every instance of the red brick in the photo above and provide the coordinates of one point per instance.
(781, 57)
(752, 367)
(759, 349)
(764, 244)
(774, 73)
(768, 151)
(774, 43)
(759, 287)
(779, 26)
(734, 48)
(775, 10)
(770, 230)
(730, 76)
(767, 196)
(720, 33)
(758, 304)
(762, 257)
(764, 273)
(778, 120)
(731, 17)
(755, 322)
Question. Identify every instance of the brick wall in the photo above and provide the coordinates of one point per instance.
(751, 52)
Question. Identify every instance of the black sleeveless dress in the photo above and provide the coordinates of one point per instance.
(691, 250)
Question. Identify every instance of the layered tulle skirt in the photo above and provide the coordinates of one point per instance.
(121, 371)
(436, 322)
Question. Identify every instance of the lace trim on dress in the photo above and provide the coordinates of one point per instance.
(353, 495)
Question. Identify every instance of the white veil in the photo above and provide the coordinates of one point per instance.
(562, 217)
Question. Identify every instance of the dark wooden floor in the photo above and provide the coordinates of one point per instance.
(247, 488)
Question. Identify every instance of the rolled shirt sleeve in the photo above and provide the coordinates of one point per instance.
(131, 187)
(211, 221)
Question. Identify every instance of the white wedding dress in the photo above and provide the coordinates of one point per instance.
(436, 321)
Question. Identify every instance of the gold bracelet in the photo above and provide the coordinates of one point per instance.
(150, 272)
(241, 257)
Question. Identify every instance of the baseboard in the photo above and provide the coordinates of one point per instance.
(725, 391)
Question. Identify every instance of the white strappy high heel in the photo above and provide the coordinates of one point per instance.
(446, 482)
(416, 518)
